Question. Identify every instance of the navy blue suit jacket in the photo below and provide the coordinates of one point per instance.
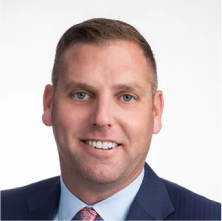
(157, 199)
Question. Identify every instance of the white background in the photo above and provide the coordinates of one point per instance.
(185, 37)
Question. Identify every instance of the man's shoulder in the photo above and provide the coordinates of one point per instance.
(164, 200)
(14, 201)
(190, 201)
(27, 189)
(180, 192)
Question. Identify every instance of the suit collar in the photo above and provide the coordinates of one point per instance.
(152, 201)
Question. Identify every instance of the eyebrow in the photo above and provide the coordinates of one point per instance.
(75, 84)
(134, 87)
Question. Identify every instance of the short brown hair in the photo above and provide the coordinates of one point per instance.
(99, 30)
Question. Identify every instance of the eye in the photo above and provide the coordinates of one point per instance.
(81, 96)
(127, 98)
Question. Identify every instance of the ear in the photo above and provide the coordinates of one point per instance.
(47, 105)
(158, 105)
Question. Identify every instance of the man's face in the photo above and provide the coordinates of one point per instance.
(104, 98)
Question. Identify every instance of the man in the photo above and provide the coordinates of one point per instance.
(104, 106)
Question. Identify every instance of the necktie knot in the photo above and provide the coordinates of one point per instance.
(87, 214)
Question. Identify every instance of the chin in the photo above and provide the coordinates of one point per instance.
(102, 176)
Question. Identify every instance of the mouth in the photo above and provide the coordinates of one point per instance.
(101, 145)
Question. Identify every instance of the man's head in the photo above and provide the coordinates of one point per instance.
(102, 97)
(102, 31)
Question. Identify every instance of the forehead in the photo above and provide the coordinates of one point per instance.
(113, 61)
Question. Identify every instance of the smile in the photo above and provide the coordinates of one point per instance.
(105, 145)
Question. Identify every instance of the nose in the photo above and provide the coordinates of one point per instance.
(102, 115)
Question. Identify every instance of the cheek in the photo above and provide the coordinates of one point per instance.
(138, 128)
(69, 115)
(67, 122)
(138, 122)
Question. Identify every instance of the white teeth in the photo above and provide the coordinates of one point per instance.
(114, 145)
(101, 145)
(105, 145)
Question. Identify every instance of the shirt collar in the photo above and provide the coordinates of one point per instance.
(115, 207)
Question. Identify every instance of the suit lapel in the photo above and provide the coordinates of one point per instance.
(138, 213)
(43, 204)
(152, 201)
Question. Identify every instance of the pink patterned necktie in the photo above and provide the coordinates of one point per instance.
(87, 214)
